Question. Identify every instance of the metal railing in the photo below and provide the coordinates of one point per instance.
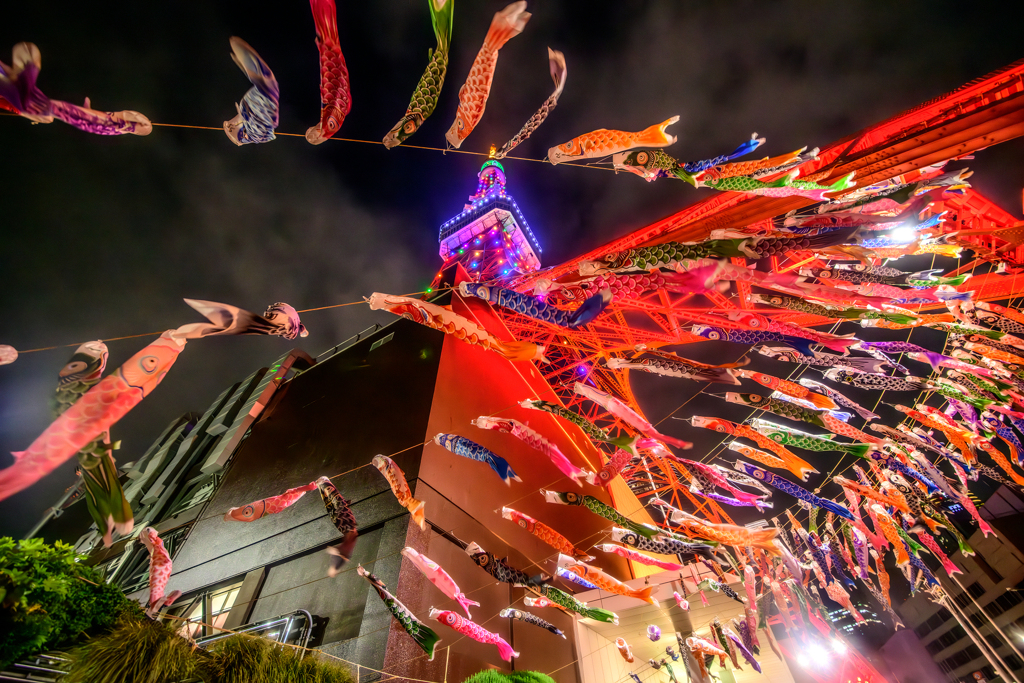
(51, 667)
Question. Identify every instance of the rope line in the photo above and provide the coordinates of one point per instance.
(443, 150)
(151, 334)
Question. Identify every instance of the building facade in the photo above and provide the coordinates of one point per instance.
(389, 390)
(986, 616)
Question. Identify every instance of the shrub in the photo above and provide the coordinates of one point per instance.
(137, 651)
(49, 600)
(251, 659)
(149, 652)
(492, 676)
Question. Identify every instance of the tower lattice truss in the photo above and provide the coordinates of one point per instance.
(977, 115)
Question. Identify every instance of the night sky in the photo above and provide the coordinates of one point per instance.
(102, 237)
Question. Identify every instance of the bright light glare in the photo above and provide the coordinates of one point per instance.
(839, 646)
(905, 234)
(818, 654)
(802, 661)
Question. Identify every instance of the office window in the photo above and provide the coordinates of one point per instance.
(990, 572)
(206, 609)
(933, 622)
(948, 638)
(961, 600)
(968, 654)
(1007, 600)
(976, 590)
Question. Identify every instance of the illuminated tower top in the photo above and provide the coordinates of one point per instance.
(490, 238)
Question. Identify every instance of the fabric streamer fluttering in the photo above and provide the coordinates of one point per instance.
(535, 308)
(428, 90)
(473, 94)
(474, 631)
(8, 354)
(160, 567)
(534, 440)
(460, 445)
(545, 533)
(20, 95)
(258, 113)
(444, 319)
(422, 634)
(340, 513)
(109, 400)
(268, 506)
(439, 577)
(104, 496)
(556, 62)
(602, 142)
(400, 487)
(335, 93)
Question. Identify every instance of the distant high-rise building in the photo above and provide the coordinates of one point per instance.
(987, 610)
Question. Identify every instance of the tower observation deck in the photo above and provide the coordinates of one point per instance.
(490, 238)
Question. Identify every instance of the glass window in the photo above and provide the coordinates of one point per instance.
(205, 612)
(1007, 600)
(989, 570)
(933, 622)
(976, 590)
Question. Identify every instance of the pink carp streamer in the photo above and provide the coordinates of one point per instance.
(268, 506)
(474, 631)
(534, 440)
(636, 556)
(628, 415)
(439, 577)
(159, 572)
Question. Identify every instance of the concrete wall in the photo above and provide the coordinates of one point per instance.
(1002, 556)
(907, 659)
(600, 661)
(329, 420)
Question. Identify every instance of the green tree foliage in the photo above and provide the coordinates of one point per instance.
(50, 600)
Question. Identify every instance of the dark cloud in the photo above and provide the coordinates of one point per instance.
(103, 237)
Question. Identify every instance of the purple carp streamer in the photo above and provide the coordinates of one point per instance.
(20, 94)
